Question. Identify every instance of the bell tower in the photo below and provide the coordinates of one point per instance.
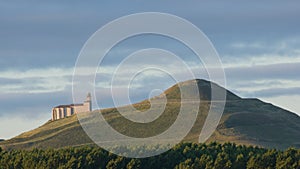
(88, 101)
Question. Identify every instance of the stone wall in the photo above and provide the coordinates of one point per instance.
(63, 111)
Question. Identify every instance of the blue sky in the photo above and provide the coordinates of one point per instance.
(258, 43)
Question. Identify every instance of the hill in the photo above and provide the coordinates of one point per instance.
(244, 121)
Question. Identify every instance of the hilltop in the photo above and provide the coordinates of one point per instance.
(244, 121)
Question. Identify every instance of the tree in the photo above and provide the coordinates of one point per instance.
(222, 161)
(72, 163)
(288, 159)
(255, 162)
(119, 162)
(240, 162)
(269, 159)
(134, 164)
(187, 164)
(184, 155)
(205, 161)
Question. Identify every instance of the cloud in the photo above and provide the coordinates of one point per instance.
(272, 92)
(261, 72)
(15, 125)
(259, 59)
(35, 80)
(30, 105)
(59, 79)
(243, 45)
(36, 73)
(262, 52)
(264, 80)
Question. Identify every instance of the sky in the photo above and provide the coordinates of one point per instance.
(258, 43)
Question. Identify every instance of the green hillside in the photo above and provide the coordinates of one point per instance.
(245, 121)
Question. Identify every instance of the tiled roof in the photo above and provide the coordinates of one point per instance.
(68, 105)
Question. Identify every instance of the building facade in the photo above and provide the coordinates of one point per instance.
(63, 111)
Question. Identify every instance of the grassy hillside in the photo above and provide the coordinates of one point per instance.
(245, 121)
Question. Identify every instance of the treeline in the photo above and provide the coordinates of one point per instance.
(188, 155)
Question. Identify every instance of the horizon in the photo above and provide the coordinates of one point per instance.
(259, 48)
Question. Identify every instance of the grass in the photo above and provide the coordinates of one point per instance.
(245, 121)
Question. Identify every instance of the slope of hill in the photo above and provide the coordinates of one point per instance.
(244, 121)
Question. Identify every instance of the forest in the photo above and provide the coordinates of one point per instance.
(182, 156)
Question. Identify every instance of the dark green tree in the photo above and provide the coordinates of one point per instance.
(240, 162)
(222, 161)
(117, 163)
(134, 164)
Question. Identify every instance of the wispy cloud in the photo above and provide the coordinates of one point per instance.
(262, 53)
(35, 80)
(243, 45)
(36, 73)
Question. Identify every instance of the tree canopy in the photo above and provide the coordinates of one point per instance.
(185, 155)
